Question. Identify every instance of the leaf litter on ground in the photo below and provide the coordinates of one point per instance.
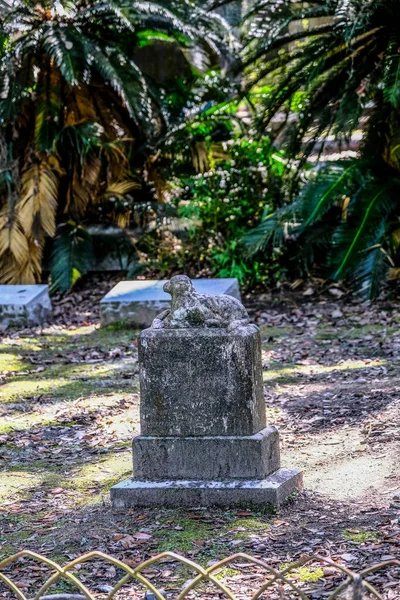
(332, 373)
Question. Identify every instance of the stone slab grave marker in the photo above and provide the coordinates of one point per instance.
(139, 302)
(204, 439)
(24, 305)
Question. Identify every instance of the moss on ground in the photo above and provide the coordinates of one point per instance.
(52, 377)
(360, 536)
(305, 573)
(42, 383)
(16, 485)
(308, 574)
(226, 573)
(270, 333)
(246, 528)
(181, 533)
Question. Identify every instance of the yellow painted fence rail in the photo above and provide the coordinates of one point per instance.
(277, 584)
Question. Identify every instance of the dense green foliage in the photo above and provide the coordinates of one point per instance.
(79, 112)
(340, 61)
(131, 113)
(241, 187)
(342, 223)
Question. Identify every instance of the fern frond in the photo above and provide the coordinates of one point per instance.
(364, 229)
(72, 256)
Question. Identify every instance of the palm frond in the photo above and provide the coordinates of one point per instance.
(120, 188)
(339, 55)
(39, 199)
(13, 240)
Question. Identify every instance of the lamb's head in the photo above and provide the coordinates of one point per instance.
(178, 285)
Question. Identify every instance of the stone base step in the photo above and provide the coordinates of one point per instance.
(212, 458)
(272, 491)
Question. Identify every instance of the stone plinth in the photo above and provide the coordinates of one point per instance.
(139, 302)
(204, 439)
(201, 382)
(24, 305)
(270, 492)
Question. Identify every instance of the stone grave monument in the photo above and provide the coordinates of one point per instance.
(139, 302)
(24, 305)
(204, 439)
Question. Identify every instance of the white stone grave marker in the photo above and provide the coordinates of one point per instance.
(24, 305)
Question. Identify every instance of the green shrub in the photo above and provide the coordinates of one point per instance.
(241, 187)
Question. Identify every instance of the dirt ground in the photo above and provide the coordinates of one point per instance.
(69, 400)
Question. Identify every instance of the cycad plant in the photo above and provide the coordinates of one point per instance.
(332, 67)
(75, 107)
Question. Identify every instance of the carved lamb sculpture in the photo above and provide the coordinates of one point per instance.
(191, 309)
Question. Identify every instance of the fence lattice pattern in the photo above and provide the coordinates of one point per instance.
(354, 586)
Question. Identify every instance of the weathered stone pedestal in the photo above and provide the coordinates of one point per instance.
(204, 439)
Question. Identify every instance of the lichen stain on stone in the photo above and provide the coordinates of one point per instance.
(159, 404)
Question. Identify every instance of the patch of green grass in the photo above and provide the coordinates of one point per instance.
(356, 331)
(12, 363)
(112, 336)
(55, 389)
(328, 334)
(94, 479)
(84, 485)
(268, 331)
(360, 536)
(22, 528)
(63, 587)
(118, 326)
(35, 466)
(7, 550)
(18, 484)
(281, 373)
(251, 524)
(82, 372)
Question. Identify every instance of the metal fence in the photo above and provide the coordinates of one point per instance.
(276, 583)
